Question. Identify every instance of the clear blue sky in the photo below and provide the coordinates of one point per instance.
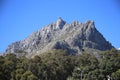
(19, 18)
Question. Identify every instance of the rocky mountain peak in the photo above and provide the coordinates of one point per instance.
(60, 19)
(72, 37)
(60, 23)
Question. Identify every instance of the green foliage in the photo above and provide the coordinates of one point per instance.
(58, 65)
(20, 51)
(28, 75)
(116, 75)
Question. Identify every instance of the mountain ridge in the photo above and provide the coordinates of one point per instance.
(73, 37)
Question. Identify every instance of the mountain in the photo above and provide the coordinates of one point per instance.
(74, 38)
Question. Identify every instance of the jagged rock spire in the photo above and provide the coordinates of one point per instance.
(60, 23)
(64, 36)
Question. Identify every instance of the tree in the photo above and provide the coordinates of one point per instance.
(9, 66)
(28, 75)
(116, 75)
(2, 67)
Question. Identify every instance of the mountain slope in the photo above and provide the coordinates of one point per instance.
(74, 38)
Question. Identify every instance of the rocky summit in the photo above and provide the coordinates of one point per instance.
(74, 38)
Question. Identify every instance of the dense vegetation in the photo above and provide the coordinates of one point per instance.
(58, 65)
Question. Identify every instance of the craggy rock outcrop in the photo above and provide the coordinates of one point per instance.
(74, 38)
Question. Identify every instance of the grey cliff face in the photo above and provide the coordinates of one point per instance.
(72, 37)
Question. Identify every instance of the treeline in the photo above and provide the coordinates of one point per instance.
(58, 65)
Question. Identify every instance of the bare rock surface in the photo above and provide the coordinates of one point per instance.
(74, 38)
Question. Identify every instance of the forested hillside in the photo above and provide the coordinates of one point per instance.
(58, 65)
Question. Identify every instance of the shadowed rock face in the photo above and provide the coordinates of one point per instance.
(72, 37)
